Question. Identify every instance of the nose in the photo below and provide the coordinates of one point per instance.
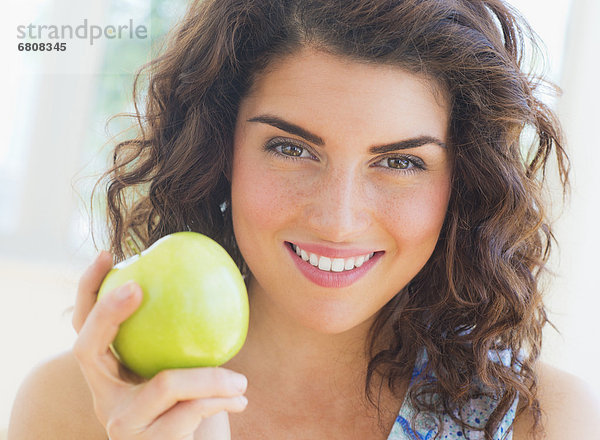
(339, 210)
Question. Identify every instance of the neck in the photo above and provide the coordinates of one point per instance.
(316, 379)
(283, 356)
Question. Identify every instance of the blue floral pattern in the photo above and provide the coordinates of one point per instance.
(476, 414)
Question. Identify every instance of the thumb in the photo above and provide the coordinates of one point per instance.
(102, 324)
(87, 289)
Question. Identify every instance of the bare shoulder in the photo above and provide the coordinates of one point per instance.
(569, 406)
(54, 403)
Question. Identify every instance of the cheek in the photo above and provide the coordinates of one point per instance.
(260, 198)
(416, 216)
(260, 201)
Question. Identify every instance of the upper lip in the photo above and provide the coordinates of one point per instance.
(332, 252)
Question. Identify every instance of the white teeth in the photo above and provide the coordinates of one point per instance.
(332, 264)
(337, 265)
(349, 264)
(325, 263)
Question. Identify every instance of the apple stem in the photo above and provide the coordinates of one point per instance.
(132, 245)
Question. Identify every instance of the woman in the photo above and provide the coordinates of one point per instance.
(362, 162)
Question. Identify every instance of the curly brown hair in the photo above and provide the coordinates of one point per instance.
(480, 291)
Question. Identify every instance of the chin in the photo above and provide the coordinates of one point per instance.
(333, 322)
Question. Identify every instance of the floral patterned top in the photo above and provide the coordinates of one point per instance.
(475, 414)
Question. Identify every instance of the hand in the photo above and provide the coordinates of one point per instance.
(174, 404)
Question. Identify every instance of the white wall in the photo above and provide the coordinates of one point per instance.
(575, 295)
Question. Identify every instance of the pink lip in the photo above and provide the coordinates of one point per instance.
(332, 279)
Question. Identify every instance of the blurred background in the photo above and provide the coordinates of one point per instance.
(54, 144)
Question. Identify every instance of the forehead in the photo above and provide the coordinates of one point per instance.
(326, 90)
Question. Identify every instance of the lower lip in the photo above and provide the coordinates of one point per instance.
(332, 279)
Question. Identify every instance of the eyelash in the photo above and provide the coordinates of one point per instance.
(274, 146)
(417, 164)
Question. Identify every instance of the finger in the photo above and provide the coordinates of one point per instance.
(102, 324)
(169, 387)
(215, 427)
(185, 417)
(88, 288)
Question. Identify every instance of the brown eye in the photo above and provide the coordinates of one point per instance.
(291, 150)
(399, 163)
(403, 164)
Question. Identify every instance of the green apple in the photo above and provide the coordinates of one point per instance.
(194, 311)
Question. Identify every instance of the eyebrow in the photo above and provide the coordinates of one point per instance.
(291, 128)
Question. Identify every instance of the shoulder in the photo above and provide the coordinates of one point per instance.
(570, 409)
(54, 403)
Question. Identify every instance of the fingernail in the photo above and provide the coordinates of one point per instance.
(243, 400)
(124, 292)
(241, 383)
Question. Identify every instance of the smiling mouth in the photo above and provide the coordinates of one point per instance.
(327, 264)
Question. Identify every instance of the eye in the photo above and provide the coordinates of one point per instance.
(288, 149)
(399, 163)
(402, 163)
(292, 150)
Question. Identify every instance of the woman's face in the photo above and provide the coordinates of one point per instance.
(344, 163)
